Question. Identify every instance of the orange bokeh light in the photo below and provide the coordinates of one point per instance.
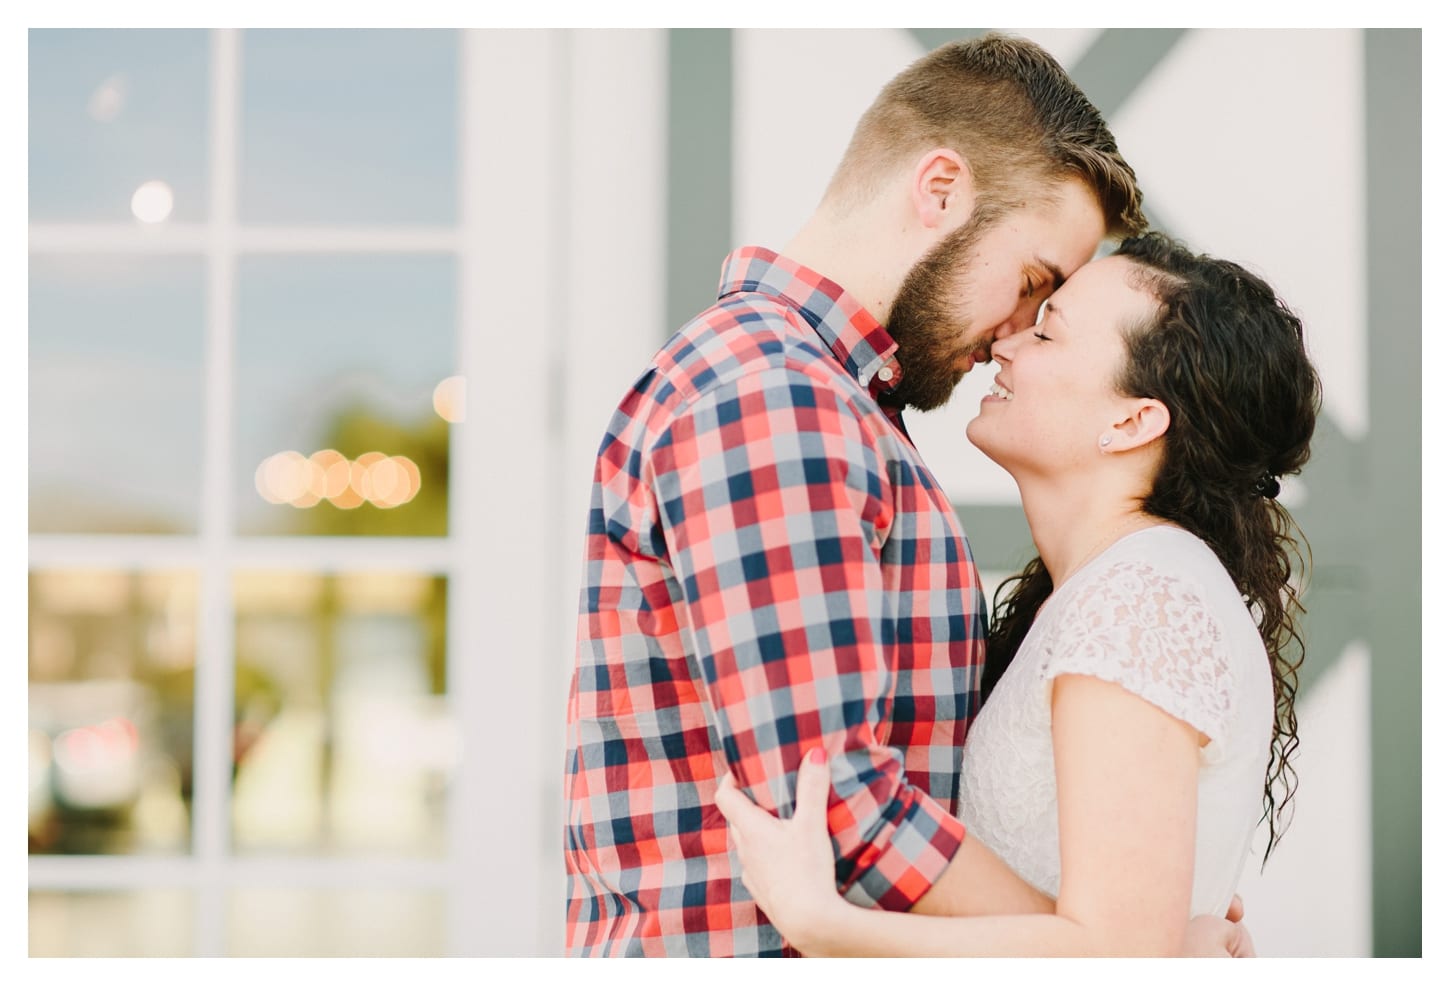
(305, 481)
(450, 399)
(330, 473)
(387, 480)
(348, 499)
(284, 477)
(360, 479)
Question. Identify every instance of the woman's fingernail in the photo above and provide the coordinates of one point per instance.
(817, 756)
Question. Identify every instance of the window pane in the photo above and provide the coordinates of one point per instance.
(338, 359)
(290, 923)
(115, 393)
(130, 924)
(342, 713)
(112, 663)
(111, 110)
(349, 126)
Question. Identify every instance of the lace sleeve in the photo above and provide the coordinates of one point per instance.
(1150, 632)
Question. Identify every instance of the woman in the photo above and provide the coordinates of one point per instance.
(1143, 667)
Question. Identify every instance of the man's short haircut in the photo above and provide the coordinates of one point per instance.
(1014, 115)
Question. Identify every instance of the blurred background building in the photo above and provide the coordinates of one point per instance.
(325, 326)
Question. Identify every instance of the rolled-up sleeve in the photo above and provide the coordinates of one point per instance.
(775, 502)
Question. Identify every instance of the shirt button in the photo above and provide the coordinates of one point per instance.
(885, 374)
(865, 379)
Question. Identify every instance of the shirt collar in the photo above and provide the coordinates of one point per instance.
(852, 333)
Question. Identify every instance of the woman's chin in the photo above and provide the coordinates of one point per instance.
(975, 436)
(979, 433)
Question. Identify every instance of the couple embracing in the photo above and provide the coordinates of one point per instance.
(783, 639)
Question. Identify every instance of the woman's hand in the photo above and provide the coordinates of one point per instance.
(789, 865)
(1215, 938)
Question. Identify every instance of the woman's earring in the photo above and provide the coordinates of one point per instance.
(1104, 442)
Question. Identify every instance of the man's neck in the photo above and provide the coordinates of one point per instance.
(857, 254)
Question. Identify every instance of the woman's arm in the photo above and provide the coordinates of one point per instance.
(977, 883)
(1127, 776)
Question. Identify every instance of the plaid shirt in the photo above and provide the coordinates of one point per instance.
(769, 567)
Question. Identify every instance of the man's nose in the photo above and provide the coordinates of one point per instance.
(1023, 318)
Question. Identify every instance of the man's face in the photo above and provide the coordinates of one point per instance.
(982, 283)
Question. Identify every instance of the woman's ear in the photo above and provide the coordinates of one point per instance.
(1146, 420)
(942, 193)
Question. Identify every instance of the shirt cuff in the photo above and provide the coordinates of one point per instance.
(908, 854)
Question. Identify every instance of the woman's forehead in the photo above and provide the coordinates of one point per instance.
(1103, 290)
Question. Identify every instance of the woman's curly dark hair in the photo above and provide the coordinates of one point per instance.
(1227, 358)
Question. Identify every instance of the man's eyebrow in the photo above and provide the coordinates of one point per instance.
(1057, 276)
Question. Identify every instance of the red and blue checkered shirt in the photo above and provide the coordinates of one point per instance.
(769, 567)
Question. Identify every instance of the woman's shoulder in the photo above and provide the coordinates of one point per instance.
(1162, 541)
(1157, 615)
(1163, 579)
(1165, 553)
(1150, 579)
(1160, 615)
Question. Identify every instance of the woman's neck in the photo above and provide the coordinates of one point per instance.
(1071, 526)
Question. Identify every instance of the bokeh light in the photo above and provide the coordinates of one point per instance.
(450, 399)
(152, 202)
(385, 481)
(108, 99)
(283, 477)
(329, 473)
(413, 475)
(386, 478)
(362, 473)
(347, 499)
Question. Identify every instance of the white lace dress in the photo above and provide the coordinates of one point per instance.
(1157, 614)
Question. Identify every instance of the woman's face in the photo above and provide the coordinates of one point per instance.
(1054, 396)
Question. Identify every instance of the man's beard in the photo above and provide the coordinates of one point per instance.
(930, 320)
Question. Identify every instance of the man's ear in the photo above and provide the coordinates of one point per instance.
(942, 193)
(1146, 419)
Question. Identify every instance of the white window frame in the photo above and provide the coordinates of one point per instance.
(539, 399)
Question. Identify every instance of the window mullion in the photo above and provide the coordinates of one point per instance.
(499, 600)
(212, 724)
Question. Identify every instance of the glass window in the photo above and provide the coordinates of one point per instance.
(337, 362)
(344, 382)
(110, 112)
(344, 736)
(153, 924)
(349, 126)
(112, 669)
(288, 923)
(115, 393)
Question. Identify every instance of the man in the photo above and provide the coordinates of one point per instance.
(770, 566)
